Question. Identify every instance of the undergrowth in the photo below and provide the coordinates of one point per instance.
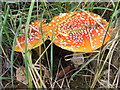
(40, 66)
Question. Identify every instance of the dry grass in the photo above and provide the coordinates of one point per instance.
(99, 69)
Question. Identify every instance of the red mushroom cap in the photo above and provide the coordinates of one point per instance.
(35, 38)
(79, 31)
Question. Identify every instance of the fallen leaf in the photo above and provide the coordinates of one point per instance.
(20, 75)
(64, 71)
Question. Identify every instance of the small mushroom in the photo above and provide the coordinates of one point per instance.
(35, 37)
(79, 31)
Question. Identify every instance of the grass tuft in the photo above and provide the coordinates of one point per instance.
(42, 66)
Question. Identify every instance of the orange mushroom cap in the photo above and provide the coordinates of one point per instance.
(79, 31)
(34, 39)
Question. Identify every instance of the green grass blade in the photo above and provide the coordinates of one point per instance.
(83, 66)
(5, 78)
(5, 27)
(51, 61)
(12, 53)
(1, 60)
(26, 57)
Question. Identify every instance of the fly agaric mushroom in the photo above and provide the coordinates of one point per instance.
(79, 31)
(34, 39)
